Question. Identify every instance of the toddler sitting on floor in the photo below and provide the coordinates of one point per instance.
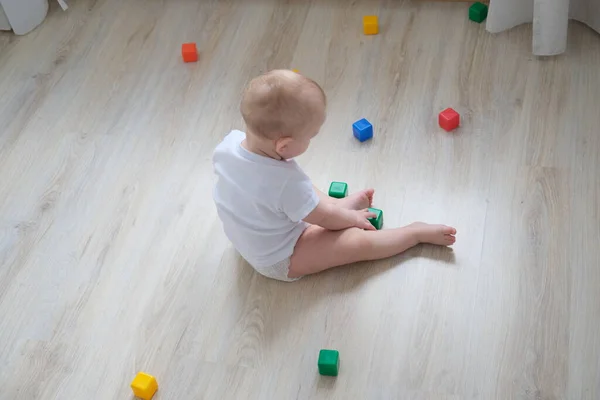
(278, 221)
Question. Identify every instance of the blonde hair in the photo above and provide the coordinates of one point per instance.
(281, 103)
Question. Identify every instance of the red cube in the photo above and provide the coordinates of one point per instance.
(449, 119)
(189, 53)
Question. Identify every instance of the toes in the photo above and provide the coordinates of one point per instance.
(368, 192)
(448, 230)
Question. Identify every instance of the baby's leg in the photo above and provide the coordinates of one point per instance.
(323, 197)
(319, 249)
(356, 201)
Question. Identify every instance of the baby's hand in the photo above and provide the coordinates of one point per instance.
(362, 221)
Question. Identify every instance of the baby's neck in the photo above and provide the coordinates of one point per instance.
(258, 146)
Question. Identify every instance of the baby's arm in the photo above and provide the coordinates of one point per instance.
(329, 216)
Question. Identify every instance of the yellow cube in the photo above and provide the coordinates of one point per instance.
(370, 25)
(144, 386)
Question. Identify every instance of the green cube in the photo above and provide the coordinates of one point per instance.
(377, 222)
(329, 362)
(338, 189)
(478, 12)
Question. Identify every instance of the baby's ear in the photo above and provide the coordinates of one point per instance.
(282, 144)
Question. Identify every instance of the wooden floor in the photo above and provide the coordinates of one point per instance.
(112, 259)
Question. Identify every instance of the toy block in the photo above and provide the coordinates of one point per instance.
(377, 222)
(296, 71)
(363, 130)
(370, 25)
(478, 12)
(449, 119)
(144, 386)
(339, 190)
(189, 52)
(329, 362)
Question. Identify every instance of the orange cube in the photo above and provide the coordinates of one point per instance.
(370, 25)
(189, 52)
(144, 386)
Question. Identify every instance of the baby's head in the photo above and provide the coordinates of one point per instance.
(283, 110)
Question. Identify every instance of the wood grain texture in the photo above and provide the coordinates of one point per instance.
(112, 258)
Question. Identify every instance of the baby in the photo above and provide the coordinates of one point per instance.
(278, 221)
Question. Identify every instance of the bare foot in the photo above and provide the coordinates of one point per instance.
(435, 234)
(358, 200)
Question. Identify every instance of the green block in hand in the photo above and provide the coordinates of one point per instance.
(338, 189)
(329, 362)
(478, 12)
(377, 222)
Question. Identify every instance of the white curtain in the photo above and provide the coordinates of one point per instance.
(550, 20)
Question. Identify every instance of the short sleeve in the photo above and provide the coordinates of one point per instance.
(298, 197)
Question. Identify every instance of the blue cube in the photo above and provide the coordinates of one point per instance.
(363, 130)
